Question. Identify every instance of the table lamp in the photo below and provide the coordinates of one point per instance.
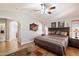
(76, 32)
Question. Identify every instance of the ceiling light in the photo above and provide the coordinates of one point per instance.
(45, 9)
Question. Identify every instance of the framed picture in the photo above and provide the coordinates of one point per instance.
(61, 24)
(53, 24)
(33, 27)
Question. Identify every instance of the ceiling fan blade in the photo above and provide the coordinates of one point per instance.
(52, 7)
(36, 10)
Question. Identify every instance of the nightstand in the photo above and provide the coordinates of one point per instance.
(73, 42)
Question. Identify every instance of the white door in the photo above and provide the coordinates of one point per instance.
(13, 28)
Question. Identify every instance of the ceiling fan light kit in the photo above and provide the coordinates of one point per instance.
(46, 9)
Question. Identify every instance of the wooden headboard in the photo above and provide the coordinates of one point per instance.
(63, 29)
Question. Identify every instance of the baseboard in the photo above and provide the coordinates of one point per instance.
(26, 42)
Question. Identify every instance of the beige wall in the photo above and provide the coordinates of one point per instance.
(25, 19)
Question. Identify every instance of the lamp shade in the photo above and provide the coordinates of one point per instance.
(76, 30)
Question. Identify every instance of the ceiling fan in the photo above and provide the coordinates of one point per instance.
(46, 8)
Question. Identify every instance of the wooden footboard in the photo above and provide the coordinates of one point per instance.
(59, 50)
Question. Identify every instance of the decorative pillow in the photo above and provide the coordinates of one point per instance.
(64, 33)
(49, 33)
(58, 32)
(53, 32)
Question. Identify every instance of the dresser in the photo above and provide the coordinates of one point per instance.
(74, 42)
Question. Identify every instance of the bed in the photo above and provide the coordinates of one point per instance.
(54, 43)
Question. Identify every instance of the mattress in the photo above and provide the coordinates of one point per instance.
(56, 39)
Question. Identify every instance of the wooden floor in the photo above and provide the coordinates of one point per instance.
(12, 46)
(8, 47)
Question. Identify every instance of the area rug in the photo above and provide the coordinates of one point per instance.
(27, 52)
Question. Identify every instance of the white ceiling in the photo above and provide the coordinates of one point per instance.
(62, 9)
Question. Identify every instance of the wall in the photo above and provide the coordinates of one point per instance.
(44, 29)
(24, 19)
